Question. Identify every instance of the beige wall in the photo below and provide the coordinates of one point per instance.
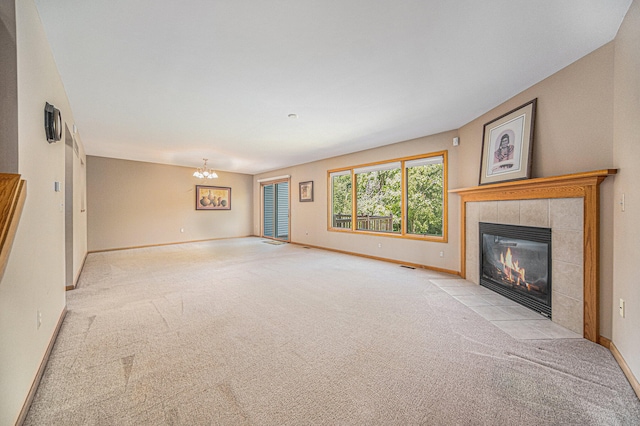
(8, 89)
(573, 133)
(309, 220)
(34, 278)
(574, 121)
(78, 171)
(626, 144)
(80, 218)
(133, 203)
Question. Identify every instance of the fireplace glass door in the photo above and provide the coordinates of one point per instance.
(516, 262)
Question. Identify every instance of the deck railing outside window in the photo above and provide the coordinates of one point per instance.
(365, 223)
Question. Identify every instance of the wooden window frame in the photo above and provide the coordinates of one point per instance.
(403, 233)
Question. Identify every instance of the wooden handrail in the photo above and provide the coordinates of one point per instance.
(13, 192)
(364, 222)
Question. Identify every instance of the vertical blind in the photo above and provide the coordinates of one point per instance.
(282, 210)
(276, 210)
(269, 211)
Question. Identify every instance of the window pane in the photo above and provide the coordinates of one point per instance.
(379, 195)
(282, 210)
(425, 195)
(341, 200)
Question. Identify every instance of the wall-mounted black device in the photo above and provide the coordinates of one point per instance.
(52, 123)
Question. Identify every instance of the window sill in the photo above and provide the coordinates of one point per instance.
(429, 238)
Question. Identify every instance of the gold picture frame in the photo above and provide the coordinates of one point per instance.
(213, 197)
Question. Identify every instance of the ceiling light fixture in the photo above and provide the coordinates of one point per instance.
(205, 172)
(292, 115)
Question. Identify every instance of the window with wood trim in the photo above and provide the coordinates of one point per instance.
(404, 197)
(341, 199)
(378, 193)
(425, 196)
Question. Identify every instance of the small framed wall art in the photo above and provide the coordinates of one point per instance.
(213, 197)
(306, 191)
(507, 144)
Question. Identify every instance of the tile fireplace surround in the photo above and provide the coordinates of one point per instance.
(569, 205)
(565, 218)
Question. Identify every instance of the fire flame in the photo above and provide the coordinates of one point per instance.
(512, 270)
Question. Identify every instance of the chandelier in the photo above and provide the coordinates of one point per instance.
(205, 172)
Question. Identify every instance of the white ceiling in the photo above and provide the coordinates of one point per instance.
(175, 81)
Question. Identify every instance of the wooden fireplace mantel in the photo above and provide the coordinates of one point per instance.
(579, 185)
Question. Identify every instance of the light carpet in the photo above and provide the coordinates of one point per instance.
(236, 332)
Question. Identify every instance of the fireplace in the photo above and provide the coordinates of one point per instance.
(516, 262)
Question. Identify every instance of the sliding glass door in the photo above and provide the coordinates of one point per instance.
(275, 210)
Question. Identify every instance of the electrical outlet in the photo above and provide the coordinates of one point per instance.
(441, 254)
(379, 245)
(622, 308)
(181, 229)
(39, 319)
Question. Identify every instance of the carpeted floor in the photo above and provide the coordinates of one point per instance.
(237, 332)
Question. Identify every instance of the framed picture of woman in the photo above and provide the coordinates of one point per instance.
(507, 144)
(306, 191)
